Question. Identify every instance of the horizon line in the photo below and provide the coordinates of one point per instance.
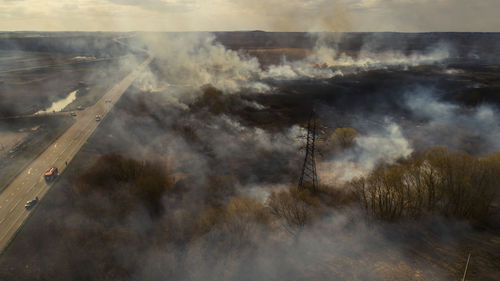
(243, 30)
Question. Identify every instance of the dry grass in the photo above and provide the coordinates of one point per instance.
(269, 56)
(8, 140)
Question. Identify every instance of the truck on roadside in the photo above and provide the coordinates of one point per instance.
(51, 174)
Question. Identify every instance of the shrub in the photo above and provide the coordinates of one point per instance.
(295, 208)
(343, 137)
(123, 181)
(233, 225)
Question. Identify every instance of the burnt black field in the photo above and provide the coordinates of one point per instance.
(194, 173)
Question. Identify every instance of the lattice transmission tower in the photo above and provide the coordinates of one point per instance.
(309, 176)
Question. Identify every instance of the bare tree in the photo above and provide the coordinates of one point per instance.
(295, 208)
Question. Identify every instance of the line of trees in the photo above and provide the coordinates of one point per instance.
(439, 181)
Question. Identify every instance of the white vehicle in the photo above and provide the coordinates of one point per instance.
(31, 203)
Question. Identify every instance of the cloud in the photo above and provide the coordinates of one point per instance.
(159, 5)
(444, 15)
(298, 15)
(270, 15)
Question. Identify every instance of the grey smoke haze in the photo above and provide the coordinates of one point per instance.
(447, 15)
(384, 144)
(433, 122)
(446, 123)
(326, 62)
(189, 61)
(341, 246)
(272, 15)
(68, 62)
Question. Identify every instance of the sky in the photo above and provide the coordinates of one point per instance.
(268, 15)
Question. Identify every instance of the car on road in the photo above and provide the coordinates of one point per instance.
(98, 117)
(73, 114)
(31, 203)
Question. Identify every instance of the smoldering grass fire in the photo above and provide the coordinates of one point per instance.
(194, 175)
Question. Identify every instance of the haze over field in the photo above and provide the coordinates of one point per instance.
(270, 15)
(182, 155)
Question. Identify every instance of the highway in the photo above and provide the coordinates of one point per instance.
(30, 183)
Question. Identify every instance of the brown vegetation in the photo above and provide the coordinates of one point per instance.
(122, 220)
(343, 137)
(295, 208)
(213, 99)
(234, 225)
(124, 181)
(440, 182)
(273, 56)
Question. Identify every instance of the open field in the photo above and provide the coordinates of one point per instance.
(432, 251)
(31, 183)
(17, 61)
(31, 81)
(9, 140)
(193, 174)
(37, 70)
(28, 91)
(38, 133)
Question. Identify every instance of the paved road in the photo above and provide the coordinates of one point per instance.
(30, 183)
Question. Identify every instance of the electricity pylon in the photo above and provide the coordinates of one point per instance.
(309, 176)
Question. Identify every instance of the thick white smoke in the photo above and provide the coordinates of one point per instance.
(229, 138)
(325, 61)
(386, 145)
(445, 122)
(368, 59)
(195, 59)
(191, 60)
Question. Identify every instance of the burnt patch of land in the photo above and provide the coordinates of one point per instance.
(273, 47)
(38, 69)
(108, 210)
(29, 90)
(464, 44)
(97, 44)
(206, 190)
(39, 133)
